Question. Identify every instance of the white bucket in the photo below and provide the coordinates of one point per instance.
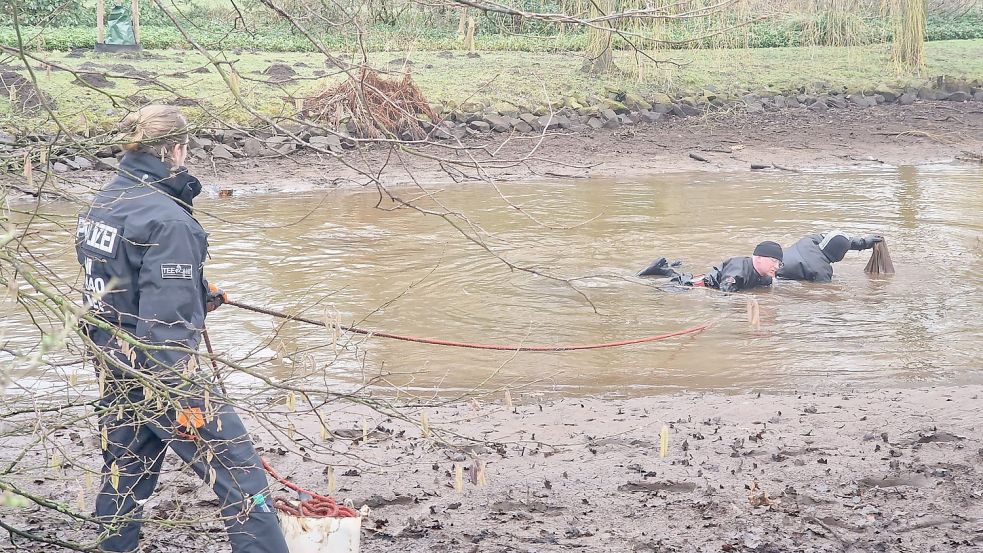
(321, 535)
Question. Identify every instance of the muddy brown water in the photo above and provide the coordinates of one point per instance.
(404, 272)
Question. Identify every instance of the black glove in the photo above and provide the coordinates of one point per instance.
(214, 298)
(865, 242)
(659, 267)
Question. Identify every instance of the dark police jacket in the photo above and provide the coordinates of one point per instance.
(735, 274)
(805, 261)
(143, 254)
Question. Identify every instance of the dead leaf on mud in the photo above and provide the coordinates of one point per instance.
(418, 528)
(505, 506)
(913, 480)
(937, 437)
(376, 501)
(665, 485)
(356, 434)
(759, 497)
(575, 532)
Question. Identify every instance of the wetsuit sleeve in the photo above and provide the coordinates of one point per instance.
(729, 277)
(171, 306)
(864, 242)
(731, 284)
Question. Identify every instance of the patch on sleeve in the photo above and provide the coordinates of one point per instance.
(176, 270)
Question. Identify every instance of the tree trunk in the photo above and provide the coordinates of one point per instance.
(469, 36)
(599, 56)
(462, 23)
(910, 17)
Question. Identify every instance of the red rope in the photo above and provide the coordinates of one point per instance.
(500, 347)
(318, 506)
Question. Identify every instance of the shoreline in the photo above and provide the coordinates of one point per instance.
(790, 140)
(891, 470)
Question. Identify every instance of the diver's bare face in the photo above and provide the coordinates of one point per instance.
(766, 266)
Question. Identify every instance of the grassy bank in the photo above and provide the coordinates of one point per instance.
(500, 79)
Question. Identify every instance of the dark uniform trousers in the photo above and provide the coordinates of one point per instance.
(138, 432)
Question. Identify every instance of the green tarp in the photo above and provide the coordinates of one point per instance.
(120, 26)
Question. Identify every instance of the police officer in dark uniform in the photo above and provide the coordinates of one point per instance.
(812, 257)
(143, 255)
(733, 275)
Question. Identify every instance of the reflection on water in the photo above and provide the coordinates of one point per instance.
(404, 272)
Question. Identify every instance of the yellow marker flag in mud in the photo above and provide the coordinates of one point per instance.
(664, 442)
(458, 478)
(481, 480)
(332, 481)
(324, 433)
(424, 425)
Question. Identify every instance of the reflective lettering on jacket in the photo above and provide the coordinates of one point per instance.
(97, 236)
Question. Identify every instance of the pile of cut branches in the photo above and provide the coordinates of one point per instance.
(373, 107)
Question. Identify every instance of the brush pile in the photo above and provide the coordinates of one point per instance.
(373, 107)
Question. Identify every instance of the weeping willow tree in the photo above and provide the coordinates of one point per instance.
(600, 57)
(909, 18)
(646, 33)
(837, 23)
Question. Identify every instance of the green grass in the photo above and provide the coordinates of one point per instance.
(501, 79)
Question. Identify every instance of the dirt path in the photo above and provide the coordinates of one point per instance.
(925, 132)
(891, 470)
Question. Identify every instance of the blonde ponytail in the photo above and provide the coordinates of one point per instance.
(154, 129)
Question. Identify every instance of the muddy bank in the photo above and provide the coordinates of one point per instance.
(891, 470)
(790, 139)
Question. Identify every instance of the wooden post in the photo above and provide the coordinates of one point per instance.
(100, 21)
(462, 23)
(136, 20)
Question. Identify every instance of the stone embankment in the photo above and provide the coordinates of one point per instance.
(575, 114)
